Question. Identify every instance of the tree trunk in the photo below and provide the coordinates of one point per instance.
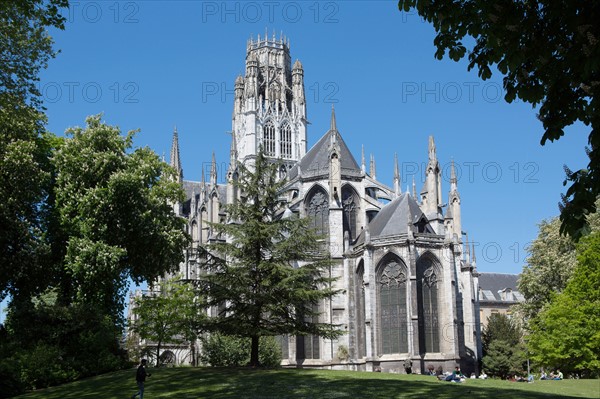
(157, 353)
(193, 351)
(254, 352)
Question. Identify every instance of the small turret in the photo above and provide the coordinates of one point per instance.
(397, 188)
(454, 203)
(363, 167)
(335, 168)
(175, 158)
(372, 168)
(213, 171)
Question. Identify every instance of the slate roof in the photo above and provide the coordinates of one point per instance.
(492, 284)
(190, 186)
(316, 161)
(394, 217)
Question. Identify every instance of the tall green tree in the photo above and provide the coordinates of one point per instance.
(550, 265)
(503, 349)
(25, 49)
(268, 273)
(112, 204)
(549, 53)
(500, 327)
(566, 333)
(165, 315)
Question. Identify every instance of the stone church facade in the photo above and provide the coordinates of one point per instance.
(408, 284)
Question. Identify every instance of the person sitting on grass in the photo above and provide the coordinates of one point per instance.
(558, 375)
(456, 376)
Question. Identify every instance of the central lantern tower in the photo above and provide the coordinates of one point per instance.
(270, 106)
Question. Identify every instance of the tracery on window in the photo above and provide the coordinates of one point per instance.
(427, 291)
(350, 206)
(269, 139)
(393, 307)
(285, 141)
(318, 211)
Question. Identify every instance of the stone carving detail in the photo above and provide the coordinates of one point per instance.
(348, 202)
(392, 275)
(317, 203)
(429, 277)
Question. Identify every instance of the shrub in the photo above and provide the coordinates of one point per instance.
(219, 350)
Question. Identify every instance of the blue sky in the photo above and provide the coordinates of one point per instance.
(155, 64)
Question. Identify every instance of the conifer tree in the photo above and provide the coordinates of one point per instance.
(267, 273)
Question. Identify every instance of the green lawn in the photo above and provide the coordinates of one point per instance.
(280, 384)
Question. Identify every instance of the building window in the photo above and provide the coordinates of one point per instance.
(285, 141)
(307, 346)
(318, 210)
(391, 284)
(269, 139)
(427, 291)
(350, 205)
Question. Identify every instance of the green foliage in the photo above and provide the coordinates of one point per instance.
(219, 350)
(566, 334)
(504, 359)
(271, 272)
(173, 315)
(549, 266)
(112, 201)
(49, 344)
(25, 48)
(503, 352)
(549, 56)
(500, 328)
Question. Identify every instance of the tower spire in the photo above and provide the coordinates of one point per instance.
(454, 203)
(213, 170)
(453, 180)
(397, 188)
(414, 190)
(373, 171)
(333, 126)
(175, 158)
(363, 168)
(233, 153)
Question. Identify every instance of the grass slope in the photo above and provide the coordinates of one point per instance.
(213, 383)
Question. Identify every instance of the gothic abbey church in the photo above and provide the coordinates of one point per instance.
(407, 278)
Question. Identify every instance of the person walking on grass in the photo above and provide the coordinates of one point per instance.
(140, 379)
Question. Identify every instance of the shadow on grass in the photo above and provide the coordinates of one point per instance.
(280, 384)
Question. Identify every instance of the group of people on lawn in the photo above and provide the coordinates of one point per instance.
(553, 376)
(458, 376)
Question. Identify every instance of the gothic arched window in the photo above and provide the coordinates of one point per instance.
(317, 208)
(391, 284)
(427, 293)
(307, 346)
(269, 139)
(285, 141)
(350, 205)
